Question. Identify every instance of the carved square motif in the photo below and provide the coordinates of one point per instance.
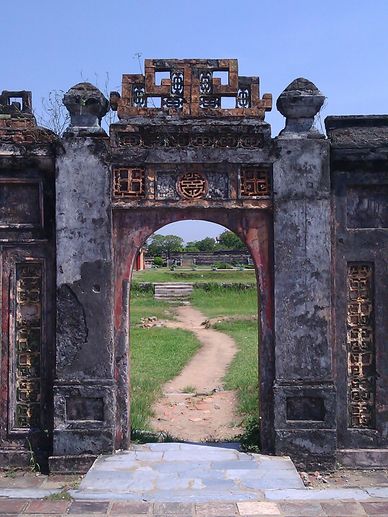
(255, 182)
(129, 182)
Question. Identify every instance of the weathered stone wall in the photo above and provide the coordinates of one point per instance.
(27, 255)
(84, 392)
(304, 390)
(359, 172)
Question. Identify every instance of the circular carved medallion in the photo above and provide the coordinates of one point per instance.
(192, 185)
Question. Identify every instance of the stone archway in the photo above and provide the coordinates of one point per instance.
(322, 199)
(131, 229)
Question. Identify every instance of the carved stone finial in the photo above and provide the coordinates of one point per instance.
(86, 105)
(299, 103)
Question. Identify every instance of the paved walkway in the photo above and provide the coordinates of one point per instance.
(140, 509)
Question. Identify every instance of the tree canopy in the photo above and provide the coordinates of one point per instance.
(164, 245)
(229, 241)
(159, 245)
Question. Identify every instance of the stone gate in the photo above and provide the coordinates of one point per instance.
(75, 210)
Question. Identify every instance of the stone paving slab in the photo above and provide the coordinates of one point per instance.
(179, 472)
(331, 508)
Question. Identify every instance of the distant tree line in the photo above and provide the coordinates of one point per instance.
(164, 245)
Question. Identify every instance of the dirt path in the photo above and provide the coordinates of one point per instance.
(208, 413)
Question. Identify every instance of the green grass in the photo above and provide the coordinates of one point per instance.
(157, 355)
(242, 375)
(225, 302)
(144, 305)
(200, 275)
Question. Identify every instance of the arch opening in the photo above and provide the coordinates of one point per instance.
(194, 337)
(130, 235)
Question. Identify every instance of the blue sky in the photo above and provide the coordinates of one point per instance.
(342, 45)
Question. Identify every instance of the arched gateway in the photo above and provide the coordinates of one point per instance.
(312, 210)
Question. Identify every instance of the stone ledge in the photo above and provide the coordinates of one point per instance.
(363, 458)
(75, 464)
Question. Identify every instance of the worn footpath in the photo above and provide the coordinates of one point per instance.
(194, 406)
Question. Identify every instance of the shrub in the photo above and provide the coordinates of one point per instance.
(223, 265)
(158, 261)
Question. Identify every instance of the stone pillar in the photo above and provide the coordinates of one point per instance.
(84, 392)
(304, 392)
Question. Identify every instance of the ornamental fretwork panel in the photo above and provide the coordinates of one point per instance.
(193, 87)
(28, 342)
(128, 182)
(361, 346)
(255, 182)
(192, 185)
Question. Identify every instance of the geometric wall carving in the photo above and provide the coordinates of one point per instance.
(361, 346)
(255, 182)
(28, 332)
(128, 182)
(192, 185)
(192, 88)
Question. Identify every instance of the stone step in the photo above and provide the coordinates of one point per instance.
(187, 472)
(172, 290)
(363, 458)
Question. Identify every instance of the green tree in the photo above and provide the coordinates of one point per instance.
(229, 241)
(206, 244)
(192, 246)
(164, 245)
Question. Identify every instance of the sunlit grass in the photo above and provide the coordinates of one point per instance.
(157, 355)
(226, 302)
(242, 374)
(144, 305)
(199, 275)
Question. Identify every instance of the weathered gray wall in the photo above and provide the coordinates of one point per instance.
(304, 392)
(84, 388)
(359, 170)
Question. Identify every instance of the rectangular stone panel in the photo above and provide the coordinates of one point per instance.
(305, 408)
(166, 185)
(367, 206)
(20, 204)
(85, 408)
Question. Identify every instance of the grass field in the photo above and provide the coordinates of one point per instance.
(144, 304)
(242, 375)
(199, 275)
(225, 302)
(243, 372)
(157, 355)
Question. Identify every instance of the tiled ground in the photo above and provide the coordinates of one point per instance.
(247, 508)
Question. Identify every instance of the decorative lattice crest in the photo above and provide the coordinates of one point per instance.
(360, 346)
(192, 185)
(255, 182)
(28, 344)
(128, 182)
(192, 89)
